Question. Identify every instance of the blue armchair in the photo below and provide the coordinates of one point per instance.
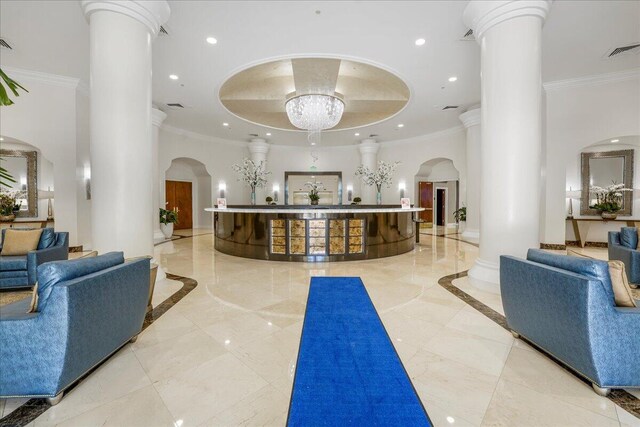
(622, 247)
(565, 306)
(20, 271)
(87, 310)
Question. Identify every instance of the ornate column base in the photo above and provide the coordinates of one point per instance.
(471, 235)
(485, 276)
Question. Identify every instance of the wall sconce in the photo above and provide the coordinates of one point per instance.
(23, 183)
(87, 182)
(402, 186)
(276, 189)
(349, 193)
(222, 188)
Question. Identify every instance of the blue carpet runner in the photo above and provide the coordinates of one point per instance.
(348, 372)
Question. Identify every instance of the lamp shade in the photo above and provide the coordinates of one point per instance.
(574, 194)
(45, 194)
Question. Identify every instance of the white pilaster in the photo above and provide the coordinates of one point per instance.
(157, 117)
(471, 121)
(120, 38)
(509, 34)
(369, 158)
(259, 149)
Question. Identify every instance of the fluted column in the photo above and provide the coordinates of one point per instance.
(157, 117)
(369, 158)
(471, 121)
(510, 35)
(259, 149)
(120, 36)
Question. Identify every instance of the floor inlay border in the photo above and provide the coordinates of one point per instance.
(180, 237)
(620, 397)
(33, 408)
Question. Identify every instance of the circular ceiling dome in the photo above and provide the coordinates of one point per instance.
(258, 94)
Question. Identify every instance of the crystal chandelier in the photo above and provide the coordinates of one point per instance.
(314, 112)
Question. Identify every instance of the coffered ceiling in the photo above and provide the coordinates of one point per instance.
(52, 36)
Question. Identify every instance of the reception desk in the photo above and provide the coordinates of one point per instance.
(314, 233)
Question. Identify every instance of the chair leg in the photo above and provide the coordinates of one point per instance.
(133, 339)
(633, 285)
(601, 391)
(515, 334)
(53, 401)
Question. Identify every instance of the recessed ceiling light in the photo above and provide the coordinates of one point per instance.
(225, 124)
(420, 42)
(453, 79)
(615, 140)
(268, 133)
(212, 40)
(313, 143)
(173, 77)
(356, 134)
(400, 125)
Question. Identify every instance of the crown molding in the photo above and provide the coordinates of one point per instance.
(471, 117)
(157, 116)
(481, 15)
(201, 137)
(151, 13)
(593, 80)
(427, 137)
(20, 74)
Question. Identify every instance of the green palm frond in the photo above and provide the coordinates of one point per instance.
(12, 85)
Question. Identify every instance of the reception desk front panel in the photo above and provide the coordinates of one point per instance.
(314, 234)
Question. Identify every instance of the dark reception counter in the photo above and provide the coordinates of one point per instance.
(314, 233)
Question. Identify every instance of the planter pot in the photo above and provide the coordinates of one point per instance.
(167, 230)
(314, 202)
(462, 225)
(379, 198)
(7, 218)
(608, 215)
(253, 198)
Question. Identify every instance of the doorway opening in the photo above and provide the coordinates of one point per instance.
(441, 207)
(188, 191)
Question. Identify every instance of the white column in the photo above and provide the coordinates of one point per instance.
(259, 148)
(471, 121)
(157, 117)
(509, 34)
(120, 38)
(368, 158)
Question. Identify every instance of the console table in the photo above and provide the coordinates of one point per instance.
(575, 222)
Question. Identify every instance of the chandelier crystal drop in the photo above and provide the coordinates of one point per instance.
(314, 112)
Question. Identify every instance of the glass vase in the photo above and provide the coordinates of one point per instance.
(379, 198)
(253, 198)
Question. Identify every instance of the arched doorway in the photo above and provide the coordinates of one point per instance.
(188, 191)
(437, 184)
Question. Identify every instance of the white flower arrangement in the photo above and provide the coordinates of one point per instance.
(379, 177)
(314, 187)
(254, 175)
(608, 199)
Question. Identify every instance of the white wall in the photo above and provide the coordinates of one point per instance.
(45, 117)
(578, 116)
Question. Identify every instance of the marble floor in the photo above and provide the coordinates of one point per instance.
(225, 354)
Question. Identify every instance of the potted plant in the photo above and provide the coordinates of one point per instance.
(460, 215)
(167, 219)
(269, 200)
(254, 175)
(608, 199)
(5, 177)
(7, 206)
(378, 177)
(314, 187)
(356, 201)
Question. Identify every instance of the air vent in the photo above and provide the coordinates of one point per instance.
(5, 44)
(255, 135)
(175, 105)
(163, 31)
(468, 36)
(450, 107)
(373, 135)
(632, 48)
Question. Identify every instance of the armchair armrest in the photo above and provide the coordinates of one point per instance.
(36, 258)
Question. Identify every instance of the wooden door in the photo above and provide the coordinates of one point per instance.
(426, 201)
(441, 206)
(180, 199)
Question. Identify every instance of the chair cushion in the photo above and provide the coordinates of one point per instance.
(51, 273)
(13, 263)
(620, 285)
(593, 268)
(20, 242)
(47, 239)
(629, 237)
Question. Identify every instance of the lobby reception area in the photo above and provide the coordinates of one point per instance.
(329, 213)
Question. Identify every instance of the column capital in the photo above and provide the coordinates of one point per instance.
(470, 118)
(369, 146)
(152, 13)
(480, 15)
(157, 116)
(258, 146)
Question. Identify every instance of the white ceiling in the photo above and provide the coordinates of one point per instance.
(52, 36)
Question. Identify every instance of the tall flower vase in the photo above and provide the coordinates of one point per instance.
(253, 198)
(379, 198)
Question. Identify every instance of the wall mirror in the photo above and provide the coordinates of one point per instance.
(22, 165)
(297, 193)
(603, 168)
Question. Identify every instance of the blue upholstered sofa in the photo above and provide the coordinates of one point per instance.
(622, 247)
(565, 306)
(20, 271)
(87, 310)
